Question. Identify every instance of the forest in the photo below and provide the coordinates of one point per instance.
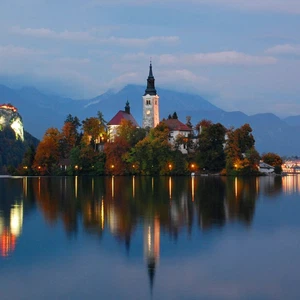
(85, 148)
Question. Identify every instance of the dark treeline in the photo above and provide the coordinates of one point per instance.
(12, 150)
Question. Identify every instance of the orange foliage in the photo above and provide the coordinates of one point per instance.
(47, 152)
(114, 153)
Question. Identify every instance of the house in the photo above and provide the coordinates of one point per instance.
(265, 168)
(178, 129)
(115, 122)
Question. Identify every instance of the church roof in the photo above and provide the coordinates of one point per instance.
(122, 115)
(176, 125)
(150, 90)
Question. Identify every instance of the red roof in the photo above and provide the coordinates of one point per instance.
(176, 125)
(121, 115)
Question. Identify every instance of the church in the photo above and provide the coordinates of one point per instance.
(150, 115)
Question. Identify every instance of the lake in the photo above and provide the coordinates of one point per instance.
(150, 237)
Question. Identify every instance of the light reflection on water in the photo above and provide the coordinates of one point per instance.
(154, 236)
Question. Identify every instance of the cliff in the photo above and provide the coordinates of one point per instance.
(9, 117)
(14, 140)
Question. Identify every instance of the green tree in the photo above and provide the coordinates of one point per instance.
(210, 151)
(153, 154)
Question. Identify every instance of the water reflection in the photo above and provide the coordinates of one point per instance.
(159, 207)
(291, 184)
(117, 204)
(11, 214)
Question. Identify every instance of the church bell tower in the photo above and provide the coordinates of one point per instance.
(150, 103)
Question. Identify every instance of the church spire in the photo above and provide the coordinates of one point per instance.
(150, 83)
(127, 108)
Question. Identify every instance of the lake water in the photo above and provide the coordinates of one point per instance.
(149, 238)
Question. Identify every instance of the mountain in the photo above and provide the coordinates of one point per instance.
(39, 111)
(293, 120)
(42, 111)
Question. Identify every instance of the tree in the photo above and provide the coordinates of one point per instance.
(93, 129)
(69, 137)
(130, 133)
(102, 120)
(274, 160)
(202, 124)
(116, 163)
(47, 153)
(241, 155)
(174, 116)
(210, 151)
(153, 154)
(188, 121)
(28, 160)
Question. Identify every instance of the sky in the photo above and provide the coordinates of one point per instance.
(238, 54)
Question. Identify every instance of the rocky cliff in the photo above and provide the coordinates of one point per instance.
(9, 117)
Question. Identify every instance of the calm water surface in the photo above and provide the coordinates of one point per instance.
(149, 238)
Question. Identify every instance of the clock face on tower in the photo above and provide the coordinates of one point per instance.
(148, 112)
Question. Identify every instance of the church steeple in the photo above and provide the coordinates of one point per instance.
(127, 108)
(150, 90)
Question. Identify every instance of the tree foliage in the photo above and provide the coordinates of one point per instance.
(272, 159)
(241, 155)
(210, 154)
(47, 153)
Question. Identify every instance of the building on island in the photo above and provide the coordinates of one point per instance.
(265, 168)
(115, 122)
(178, 129)
(151, 118)
(150, 103)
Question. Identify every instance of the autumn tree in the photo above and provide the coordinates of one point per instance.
(241, 155)
(93, 130)
(274, 160)
(69, 137)
(47, 153)
(116, 163)
(202, 124)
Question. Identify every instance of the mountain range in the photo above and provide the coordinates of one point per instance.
(41, 111)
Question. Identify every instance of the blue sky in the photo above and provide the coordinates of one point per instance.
(238, 54)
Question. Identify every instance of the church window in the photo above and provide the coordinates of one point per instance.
(148, 102)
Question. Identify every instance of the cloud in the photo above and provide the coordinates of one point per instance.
(88, 36)
(180, 75)
(72, 61)
(281, 6)
(213, 58)
(15, 51)
(284, 49)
